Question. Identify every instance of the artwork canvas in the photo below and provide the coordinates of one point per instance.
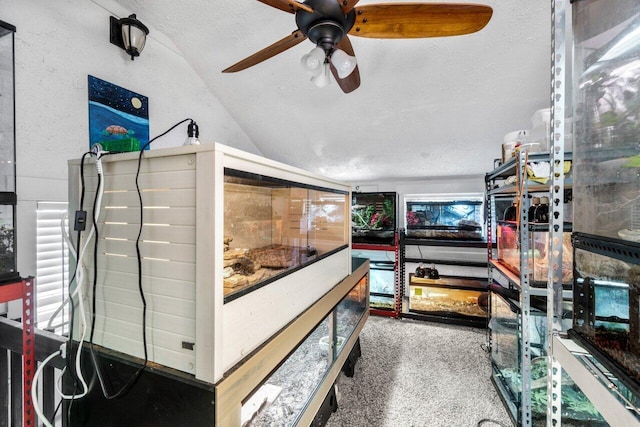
(118, 117)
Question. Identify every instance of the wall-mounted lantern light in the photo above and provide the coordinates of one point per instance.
(128, 34)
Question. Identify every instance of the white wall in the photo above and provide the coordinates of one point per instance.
(57, 44)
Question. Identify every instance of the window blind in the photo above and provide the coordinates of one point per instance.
(52, 262)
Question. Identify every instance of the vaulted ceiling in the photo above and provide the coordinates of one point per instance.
(432, 107)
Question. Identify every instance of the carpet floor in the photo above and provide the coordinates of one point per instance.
(419, 374)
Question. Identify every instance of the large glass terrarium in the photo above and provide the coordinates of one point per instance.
(233, 247)
(607, 119)
(454, 217)
(7, 155)
(506, 328)
(272, 227)
(374, 218)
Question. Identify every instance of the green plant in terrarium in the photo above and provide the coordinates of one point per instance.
(578, 402)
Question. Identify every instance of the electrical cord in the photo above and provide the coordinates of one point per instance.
(94, 356)
(133, 379)
(77, 276)
(34, 388)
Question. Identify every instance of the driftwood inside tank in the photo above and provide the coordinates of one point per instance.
(246, 267)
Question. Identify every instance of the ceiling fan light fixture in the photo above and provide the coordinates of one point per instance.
(343, 62)
(324, 78)
(313, 61)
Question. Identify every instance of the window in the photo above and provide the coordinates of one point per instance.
(52, 263)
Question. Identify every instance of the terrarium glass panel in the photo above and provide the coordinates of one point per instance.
(349, 312)
(508, 239)
(373, 218)
(445, 298)
(607, 318)
(7, 122)
(283, 397)
(506, 354)
(607, 119)
(453, 219)
(272, 227)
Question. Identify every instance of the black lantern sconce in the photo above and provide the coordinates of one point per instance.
(128, 34)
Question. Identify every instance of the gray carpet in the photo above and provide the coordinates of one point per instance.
(419, 374)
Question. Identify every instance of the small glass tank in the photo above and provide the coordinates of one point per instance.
(373, 218)
(505, 327)
(448, 297)
(446, 218)
(273, 226)
(508, 240)
(607, 298)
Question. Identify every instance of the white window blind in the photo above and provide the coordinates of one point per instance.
(52, 263)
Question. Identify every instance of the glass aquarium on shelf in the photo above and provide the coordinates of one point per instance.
(383, 285)
(505, 325)
(374, 218)
(282, 398)
(284, 395)
(451, 217)
(349, 312)
(272, 227)
(607, 119)
(508, 239)
(448, 297)
(607, 301)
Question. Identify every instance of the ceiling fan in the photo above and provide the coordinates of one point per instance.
(328, 24)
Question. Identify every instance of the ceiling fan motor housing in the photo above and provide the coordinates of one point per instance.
(326, 25)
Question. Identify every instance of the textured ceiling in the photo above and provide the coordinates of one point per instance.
(426, 107)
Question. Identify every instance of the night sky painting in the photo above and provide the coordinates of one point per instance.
(118, 117)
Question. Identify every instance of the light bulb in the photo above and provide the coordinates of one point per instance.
(323, 79)
(193, 132)
(343, 62)
(312, 62)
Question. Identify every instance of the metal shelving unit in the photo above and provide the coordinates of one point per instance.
(588, 374)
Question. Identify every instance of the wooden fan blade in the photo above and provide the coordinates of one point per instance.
(266, 53)
(287, 5)
(418, 20)
(347, 5)
(352, 81)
